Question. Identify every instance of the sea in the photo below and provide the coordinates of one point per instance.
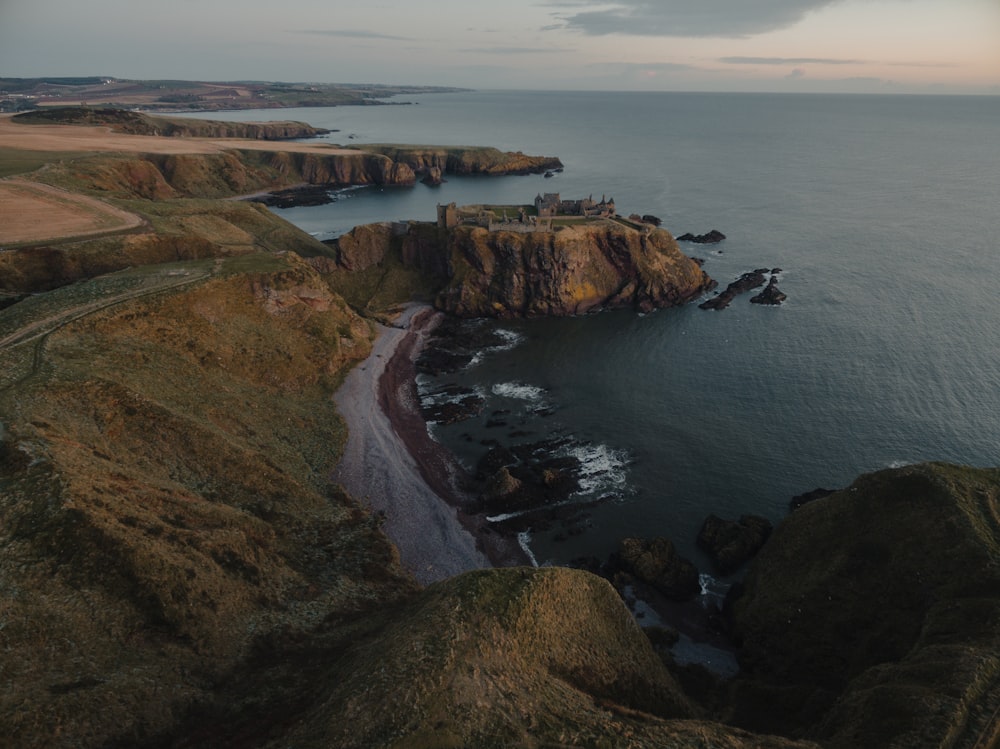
(883, 215)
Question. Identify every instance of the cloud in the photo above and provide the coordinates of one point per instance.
(515, 50)
(826, 61)
(789, 61)
(677, 18)
(352, 34)
(796, 73)
(643, 68)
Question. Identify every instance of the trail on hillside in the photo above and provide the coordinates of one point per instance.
(38, 329)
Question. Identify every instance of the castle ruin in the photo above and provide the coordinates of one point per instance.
(547, 207)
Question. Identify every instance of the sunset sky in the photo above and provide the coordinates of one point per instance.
(907, 46)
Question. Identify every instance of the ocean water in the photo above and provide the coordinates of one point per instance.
(883, 214)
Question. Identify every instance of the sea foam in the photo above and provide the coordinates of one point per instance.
(603, 469)
(519, 391)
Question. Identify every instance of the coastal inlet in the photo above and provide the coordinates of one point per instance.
(526, 471)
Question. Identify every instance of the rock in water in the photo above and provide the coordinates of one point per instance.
(744, 283)
(770, 295)
(434, 177)
(713, 237)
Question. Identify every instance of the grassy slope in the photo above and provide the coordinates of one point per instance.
(873, 617)
(164, 499)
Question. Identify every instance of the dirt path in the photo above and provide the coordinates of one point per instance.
(50, 323)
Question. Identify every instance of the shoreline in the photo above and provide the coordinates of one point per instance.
(393, 466)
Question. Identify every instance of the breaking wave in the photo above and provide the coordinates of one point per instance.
(520, 391)
(603, 469)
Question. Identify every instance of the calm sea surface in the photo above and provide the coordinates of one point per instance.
(884, 214)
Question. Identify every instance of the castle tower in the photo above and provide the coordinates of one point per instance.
(447, 216)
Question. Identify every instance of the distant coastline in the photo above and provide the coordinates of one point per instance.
(22, 94)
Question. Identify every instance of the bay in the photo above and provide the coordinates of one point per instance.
(883, 213)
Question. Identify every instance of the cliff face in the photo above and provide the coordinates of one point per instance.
(570, 271)
(567, 272)
(872, 617)
(466, 160)
(343, 170)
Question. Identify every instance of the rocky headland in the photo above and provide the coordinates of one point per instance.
(179, 570)
(571, 270)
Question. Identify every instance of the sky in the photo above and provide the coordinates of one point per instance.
(825, 46)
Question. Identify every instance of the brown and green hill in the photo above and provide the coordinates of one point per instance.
(872, 617)
(137, 123)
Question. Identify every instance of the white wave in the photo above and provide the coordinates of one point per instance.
(523, 540)
(710, 586)
(511, 339)
(436, 398)
(602, 468)
(519, 391)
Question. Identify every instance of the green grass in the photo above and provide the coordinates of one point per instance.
(15, 161)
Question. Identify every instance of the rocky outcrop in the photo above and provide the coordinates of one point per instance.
(570, 271)
(872, 617)
(771, 295)
(434, 177)
(567, 272)
(744, 283)
(656, 563)
(713, 237)
(731, 543)
(364, 246)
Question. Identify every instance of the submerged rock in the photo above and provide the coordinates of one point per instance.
(744, 283)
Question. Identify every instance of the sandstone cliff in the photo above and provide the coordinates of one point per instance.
(569, 271)
(466, 160)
